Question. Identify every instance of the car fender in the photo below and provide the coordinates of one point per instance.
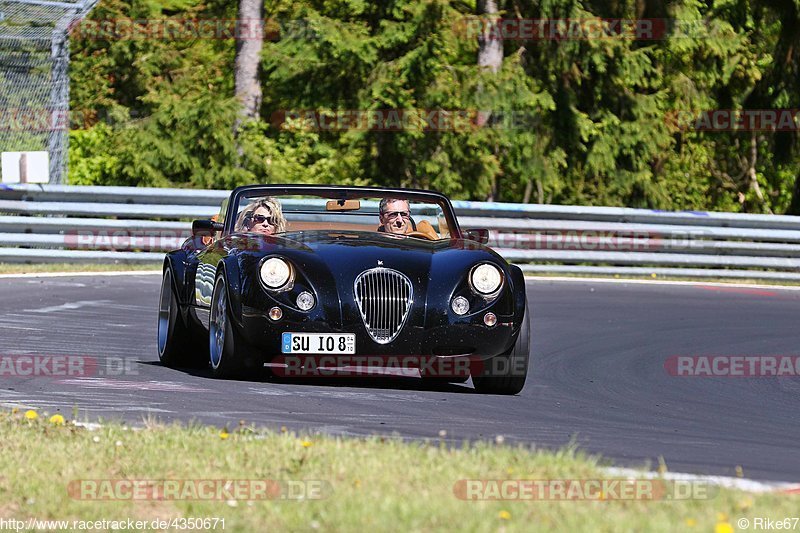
(520, 296)
(176, 260)
(230, 266)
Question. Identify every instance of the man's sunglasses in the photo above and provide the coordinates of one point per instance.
(393, 214)
(260, 219)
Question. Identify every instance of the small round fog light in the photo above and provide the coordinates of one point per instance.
(489, 319)
(305, 300)
(275, 313)
(460, 305)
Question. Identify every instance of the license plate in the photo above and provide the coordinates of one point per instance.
(318, 343)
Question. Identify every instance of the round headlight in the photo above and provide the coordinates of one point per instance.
(460, 305)
(486, 279)
(305, 301)
(275, 272)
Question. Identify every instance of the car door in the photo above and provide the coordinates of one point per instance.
(207, 259)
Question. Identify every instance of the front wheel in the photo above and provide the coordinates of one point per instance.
(223, 340)
(506, 373)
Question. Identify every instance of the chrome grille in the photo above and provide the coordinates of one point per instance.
(384, 298)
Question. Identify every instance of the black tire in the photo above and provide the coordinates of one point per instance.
(225, 346)
(506, 373)
(178, 345)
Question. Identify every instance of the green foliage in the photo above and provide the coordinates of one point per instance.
(573, 121)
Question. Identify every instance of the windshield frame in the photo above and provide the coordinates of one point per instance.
(337, 192)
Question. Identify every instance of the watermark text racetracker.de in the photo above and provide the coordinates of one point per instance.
(337, 365)
(125, 240)
(582, 29)
(59, 366)
(176, 29)
(721, 120)
(733, 366)
(583, 489)
(530, 239)
(198, 489)
(399, 120)
(597, 240)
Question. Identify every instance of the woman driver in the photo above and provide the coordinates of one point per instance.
(263, 215)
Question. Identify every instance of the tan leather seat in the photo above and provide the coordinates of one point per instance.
(423, 226)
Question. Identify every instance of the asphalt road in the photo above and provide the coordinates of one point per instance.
(597, 376)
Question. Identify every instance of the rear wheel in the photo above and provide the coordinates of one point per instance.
(506, 373)
(223, 339)
(178, 344)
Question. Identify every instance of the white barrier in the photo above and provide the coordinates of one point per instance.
(127, 224)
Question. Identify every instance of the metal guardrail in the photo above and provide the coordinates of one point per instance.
(133, 225)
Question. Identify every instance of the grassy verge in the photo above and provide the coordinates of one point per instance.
(371, 484)
(20, 268)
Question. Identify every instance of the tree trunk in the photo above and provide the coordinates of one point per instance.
(490, 44)
(490, 56)
(248, 58)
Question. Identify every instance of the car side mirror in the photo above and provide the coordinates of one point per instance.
(478, 235)
(206, 228)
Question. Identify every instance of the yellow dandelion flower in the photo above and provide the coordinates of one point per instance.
(57, 420)
(691, 522)
(723, 527)
(306, 444)
(504, 515)
(31, 414)
(224, 434)
(653, 275)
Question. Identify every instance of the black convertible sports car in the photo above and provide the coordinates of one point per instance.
(287, 275)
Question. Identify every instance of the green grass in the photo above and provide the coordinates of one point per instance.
(21, 268)
(375, 484)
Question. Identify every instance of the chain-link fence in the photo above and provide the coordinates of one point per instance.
(34, 77)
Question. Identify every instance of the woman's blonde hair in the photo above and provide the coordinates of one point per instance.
(270, 204)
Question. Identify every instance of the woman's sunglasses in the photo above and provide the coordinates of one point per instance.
(260, 219)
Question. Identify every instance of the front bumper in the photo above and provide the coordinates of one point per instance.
(464, 337)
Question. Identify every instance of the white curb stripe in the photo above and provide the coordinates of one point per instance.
(745, 484)
(70, 274)
(664, 282)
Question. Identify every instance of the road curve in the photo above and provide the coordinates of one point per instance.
(598, 375)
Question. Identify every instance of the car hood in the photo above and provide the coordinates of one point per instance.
(331, 261)
(351, 251)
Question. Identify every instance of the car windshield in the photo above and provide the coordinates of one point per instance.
(392, 214)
